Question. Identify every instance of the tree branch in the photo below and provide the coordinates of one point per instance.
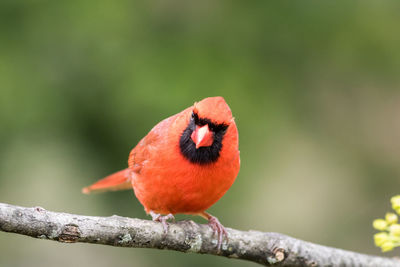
(185, 236)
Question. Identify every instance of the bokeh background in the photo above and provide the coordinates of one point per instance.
(314, 87)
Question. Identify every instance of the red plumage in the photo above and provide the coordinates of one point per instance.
(185, 164)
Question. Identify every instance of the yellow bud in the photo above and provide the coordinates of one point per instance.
(397, 210)
(380, 224)
(391, 218)
(387, 246)
(395, 202)
(395, 229)
(380, 238)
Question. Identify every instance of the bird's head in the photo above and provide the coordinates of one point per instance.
(201, 141)
(211, 115)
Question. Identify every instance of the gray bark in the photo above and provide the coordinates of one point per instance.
(185, 236)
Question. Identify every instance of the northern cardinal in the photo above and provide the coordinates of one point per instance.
(185, 164)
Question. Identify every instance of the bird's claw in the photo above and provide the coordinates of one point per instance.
(162, 219)
(218, 229)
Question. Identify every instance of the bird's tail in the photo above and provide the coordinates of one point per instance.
(117, 181)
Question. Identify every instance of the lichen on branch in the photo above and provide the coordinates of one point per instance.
(185, 236)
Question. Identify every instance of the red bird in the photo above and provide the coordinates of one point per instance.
(185, 164)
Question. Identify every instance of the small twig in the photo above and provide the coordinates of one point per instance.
(185, 236)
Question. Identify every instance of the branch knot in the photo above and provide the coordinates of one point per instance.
(69, 234)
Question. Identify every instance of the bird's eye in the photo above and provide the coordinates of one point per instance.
(195, 117)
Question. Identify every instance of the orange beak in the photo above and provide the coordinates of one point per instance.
(202, 136)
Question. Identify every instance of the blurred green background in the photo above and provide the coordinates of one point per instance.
(314, 87)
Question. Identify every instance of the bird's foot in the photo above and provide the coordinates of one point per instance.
(162, 219)
(218, 228)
